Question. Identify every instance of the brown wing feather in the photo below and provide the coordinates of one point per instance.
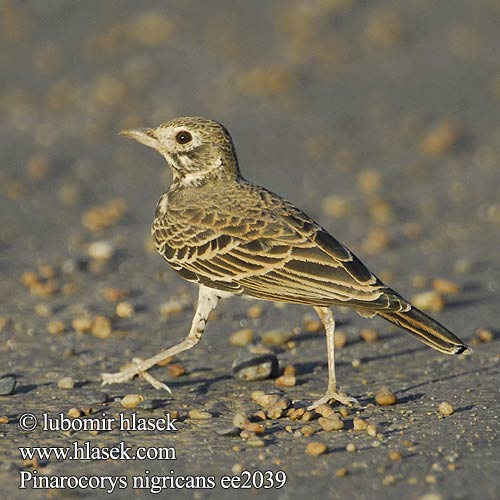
(264, 247)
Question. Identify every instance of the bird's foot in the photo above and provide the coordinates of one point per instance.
(129, 373)
(332, 394)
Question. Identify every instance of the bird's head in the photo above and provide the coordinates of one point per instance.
(195, 148)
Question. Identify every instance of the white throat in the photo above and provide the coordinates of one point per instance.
(193, 178)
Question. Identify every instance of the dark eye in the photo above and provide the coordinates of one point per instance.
(183, 137)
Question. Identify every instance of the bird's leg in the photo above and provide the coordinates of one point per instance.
(326, 317)
(207, 301)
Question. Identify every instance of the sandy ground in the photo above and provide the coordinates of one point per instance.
(380, 119)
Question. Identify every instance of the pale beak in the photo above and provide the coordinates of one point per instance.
(143, 135)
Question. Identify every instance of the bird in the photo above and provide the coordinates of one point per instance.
(235, 238)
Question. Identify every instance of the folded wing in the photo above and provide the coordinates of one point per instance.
(269, 251)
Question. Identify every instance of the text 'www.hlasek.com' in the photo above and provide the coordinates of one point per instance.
(87, 451)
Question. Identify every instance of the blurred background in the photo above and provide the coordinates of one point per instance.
(322, 97)
(365, 112)
(380, 119)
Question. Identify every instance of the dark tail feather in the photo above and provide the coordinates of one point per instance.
(427, 330)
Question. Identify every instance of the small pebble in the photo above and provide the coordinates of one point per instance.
(419, 281)
(307, 430)
(429, 301)
(150, 404)
(101, 250)
(38, 167)
(329, 424)
(69, 194)
(389, 479)
(368, 335)
(336, 206)
(431, 496)
(131, 400)
(245, 434)
(462, 266)
(275, 411)
(4, 420)
(101, 327)
(113, 294)
(371, 429)
(43, 310)
(395, 455)
(307, 417)
(7, 386)
(316, 448)
(171, 308)
(29, 279)
(441, 138)
(485, 336)
(276, 337)
(254, 427)
(384, 29)
(377, 240)
(3, 322)
(446, 408)
(166, 361)
(82, 324)
(342, 472)
(286, 381)
(199, 415)
(255, 311)
(237, 469)
(369, 180)
(325, 410)
(359, 424)
(46, 271)
(312, 324)
(74, 413)
(124, 310)
(260, 414)
(56, 327)
(265, 400)
(344, 411)
(295, 413)
(242, 337)
(256, 442)
(249, 366)
(66, 383)
(100, 217)
(350, 447)
(176, 369)
(445, 287)
(240, 420)
(151, 28)
(384, 397)
(340, 339)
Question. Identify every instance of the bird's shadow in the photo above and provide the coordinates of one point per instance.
(307, 367)
(450, 377)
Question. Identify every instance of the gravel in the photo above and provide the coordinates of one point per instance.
(7, 386)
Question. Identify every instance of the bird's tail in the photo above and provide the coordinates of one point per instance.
(427, 330)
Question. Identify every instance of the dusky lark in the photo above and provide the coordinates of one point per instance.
(232, 237)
